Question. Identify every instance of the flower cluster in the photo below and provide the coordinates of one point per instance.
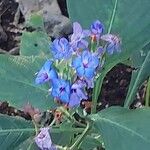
(84, 54)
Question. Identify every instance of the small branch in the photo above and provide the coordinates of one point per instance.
(147, 98)
(79, 140)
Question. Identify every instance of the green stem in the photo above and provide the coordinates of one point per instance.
(98, 86)
(61, 147)
(79, 140)
(96, 92)
(113, 16)
(70, 117)
(52, 123)
(147, 98)
(35, 126)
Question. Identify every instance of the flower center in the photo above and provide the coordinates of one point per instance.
(85, 65)
(42, 136)
(73, 90)
(61, 89)
(45, 75)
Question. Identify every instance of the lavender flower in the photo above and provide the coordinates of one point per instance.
(86, 64)
(77, 38)
(77, 94)
(61, 90)
(43, 140)
(61, 49)
(113, 43)
(46, 73)
(99, 52)
(97, 29)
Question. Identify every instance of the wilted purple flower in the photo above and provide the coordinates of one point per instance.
(113, 43)
(97, 29)
(77, 40)
(99, 52)
(46, 73)
(43, 140)
(86, 64)
(77, 94)
(61, 90)
(61, 48)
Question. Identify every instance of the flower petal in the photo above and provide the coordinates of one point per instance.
(74, 100)
(77, 62)
(89, 73)
(77, 29)
(80, 71)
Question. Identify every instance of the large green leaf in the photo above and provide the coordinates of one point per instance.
(124, 129)
(17, 80)
(90, 142)
(121, 17)
(36, 41)
(28, 144)
(141, 63)
(14, 131)
(65, 135)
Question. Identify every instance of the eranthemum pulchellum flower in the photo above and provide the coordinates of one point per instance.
(61, 49)
(113, 43)
(77, 38)
(46, 73)
(43, 140)
(86, 64)
(77, 94)
(61, 90)
(97, 29)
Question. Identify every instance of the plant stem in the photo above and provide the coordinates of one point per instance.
(35, 126)
(70, 117)
(98, 84)
(79, 140)
(147, 98)
(61, 148)
(96, 92)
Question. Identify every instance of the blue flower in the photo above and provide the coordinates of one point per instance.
(77, 94)
(46, 73)
(43, 140)
(97, 29)
(113, 43)
(77, 38)
(86, 64)
(61, 90)
(61, 49)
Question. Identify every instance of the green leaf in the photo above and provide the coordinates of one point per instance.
(14, 131)
(123, 129)
(34, 43)
(35, 21)
(37, 41)
(90, 142)
(119, 19)
(17, 80)
(141, 63)
(28, 144)
(63, 138)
